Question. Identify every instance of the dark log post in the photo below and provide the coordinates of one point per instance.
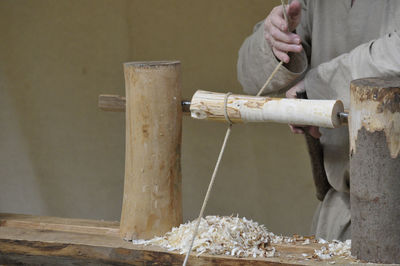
(374, 127)
(152, 202)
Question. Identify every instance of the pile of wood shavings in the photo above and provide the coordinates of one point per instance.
(232, 236)
(240, 237)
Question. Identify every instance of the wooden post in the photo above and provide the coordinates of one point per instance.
(152, 202)
(374, 127)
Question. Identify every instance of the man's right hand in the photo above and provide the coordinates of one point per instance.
(279, 34)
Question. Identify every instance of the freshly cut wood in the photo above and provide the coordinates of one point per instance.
(152, 202)
(246, 108)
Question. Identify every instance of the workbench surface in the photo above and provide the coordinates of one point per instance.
(50, 240)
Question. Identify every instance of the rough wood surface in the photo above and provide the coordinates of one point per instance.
(59, 224)
(152, 202)
(374, 127)
(114, 103)
(36, 246)
(117, 103)
(245, 108)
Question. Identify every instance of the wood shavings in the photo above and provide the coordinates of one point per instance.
(242, 238)
(334, 248)
(232, 236)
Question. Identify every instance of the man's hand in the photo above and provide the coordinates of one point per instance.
(312, 130)
(279, 34)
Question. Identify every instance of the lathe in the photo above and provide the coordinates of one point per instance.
(152, 201)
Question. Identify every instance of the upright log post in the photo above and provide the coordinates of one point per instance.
(374, 126)
(152, 202)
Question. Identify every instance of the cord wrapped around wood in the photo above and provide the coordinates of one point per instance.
(245, 108)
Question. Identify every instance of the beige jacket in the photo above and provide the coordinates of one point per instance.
(341, 43)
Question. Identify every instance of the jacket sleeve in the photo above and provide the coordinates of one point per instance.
(256, 62)
(331, 80)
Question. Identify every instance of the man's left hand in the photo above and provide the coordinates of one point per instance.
(299, 129)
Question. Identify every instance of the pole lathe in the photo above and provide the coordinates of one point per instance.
(152, 199)
(152, 190)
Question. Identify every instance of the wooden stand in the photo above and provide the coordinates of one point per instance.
(374, 127)
(152, 202)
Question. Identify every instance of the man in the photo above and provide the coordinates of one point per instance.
(325, 45)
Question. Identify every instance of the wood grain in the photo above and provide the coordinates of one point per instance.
(152, 201)
(59, 224)
(37, 244)
(114, 103)
(246, 108)
(117, 103)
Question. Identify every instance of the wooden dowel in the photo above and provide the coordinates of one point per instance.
(245, 108)
(152, 202)
(117, 103)
(113, 103)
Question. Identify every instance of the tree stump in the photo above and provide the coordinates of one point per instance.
(152, 201)
(374, 126)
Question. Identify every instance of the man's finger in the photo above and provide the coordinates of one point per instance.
(296, 130)
(296, 48)
(314, 131)
(289, 38)
(291, 93)
(278, 20)
(294, 10)
(281, 55)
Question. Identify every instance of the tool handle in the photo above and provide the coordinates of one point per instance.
(315, 150)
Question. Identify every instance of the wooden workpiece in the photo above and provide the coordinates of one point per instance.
(26, 239)
(246, 108)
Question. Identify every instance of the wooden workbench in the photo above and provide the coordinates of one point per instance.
(26, 239)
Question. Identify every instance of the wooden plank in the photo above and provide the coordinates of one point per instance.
(59, 224)
(18, 245)
(41, 242)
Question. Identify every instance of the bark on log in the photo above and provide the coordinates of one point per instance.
(245, 108)
(374, 127)
(152, 202)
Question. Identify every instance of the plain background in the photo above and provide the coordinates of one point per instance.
(61, 156)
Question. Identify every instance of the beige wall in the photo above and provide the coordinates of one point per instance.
(60, 155)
